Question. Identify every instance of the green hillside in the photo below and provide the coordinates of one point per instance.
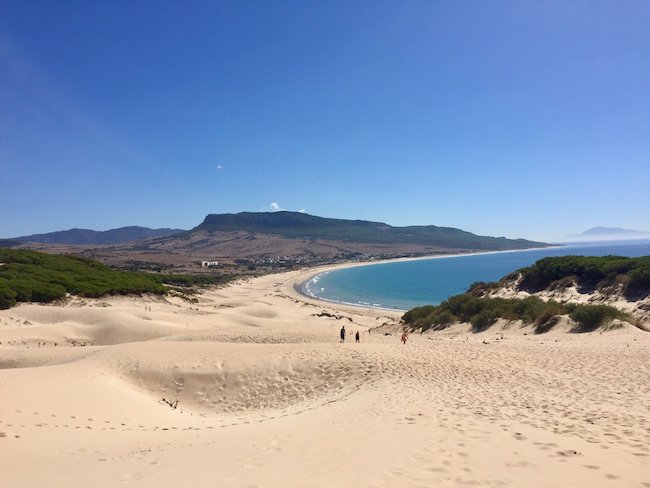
(297, 225)
(29, 276)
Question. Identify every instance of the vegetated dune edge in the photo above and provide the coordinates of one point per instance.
(251, 387)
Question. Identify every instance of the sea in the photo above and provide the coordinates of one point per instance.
(402, 285)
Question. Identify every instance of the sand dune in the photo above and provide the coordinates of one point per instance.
(267, 396)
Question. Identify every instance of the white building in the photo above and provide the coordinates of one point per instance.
(209, 264)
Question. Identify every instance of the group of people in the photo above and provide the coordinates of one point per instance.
(357, 337)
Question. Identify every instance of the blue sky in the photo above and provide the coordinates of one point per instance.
(523, 119)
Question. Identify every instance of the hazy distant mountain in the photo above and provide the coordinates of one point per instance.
(600, 231)
(87, 236)
(608, 234)
(296, 225)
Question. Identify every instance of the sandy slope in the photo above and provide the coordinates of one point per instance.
(268, 397)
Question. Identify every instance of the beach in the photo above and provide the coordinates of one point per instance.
(248, 385)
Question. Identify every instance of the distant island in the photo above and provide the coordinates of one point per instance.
(597, 231)
(610, 233)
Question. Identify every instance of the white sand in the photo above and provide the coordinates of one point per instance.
(268, 397)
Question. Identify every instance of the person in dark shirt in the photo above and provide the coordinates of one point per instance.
(343, 334)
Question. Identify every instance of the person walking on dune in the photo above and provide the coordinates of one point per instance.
(343, 334)
(405, 336)
(356, 337)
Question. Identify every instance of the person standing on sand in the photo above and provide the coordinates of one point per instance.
(356, 337)
(343, 334)
(404, 337)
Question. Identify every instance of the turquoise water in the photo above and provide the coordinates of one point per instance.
(408, 284)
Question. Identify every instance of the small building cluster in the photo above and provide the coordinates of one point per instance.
(209, 264)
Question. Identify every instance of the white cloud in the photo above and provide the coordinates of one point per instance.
(276, 207)
(272, 207)
(219, 166)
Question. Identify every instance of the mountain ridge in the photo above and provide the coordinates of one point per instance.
(119, 235)
(297, 225)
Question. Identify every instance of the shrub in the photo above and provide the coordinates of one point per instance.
(484, 319)
(444, 318)
(590, 317)
(48, 293)
(638, 283)
(418, 313)
(7, 296)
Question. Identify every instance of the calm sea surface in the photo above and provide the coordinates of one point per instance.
(404, 285)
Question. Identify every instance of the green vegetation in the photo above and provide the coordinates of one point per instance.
(296, 225)
(607, 274)
(483, 312)
(590, 317)
(590, 273)
(29, 276)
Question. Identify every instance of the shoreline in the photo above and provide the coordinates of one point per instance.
(300, 284)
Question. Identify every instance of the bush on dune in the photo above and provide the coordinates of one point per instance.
(482, 313)
(7, 296)
(589, 271)
(638, 282)
(591, 317)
